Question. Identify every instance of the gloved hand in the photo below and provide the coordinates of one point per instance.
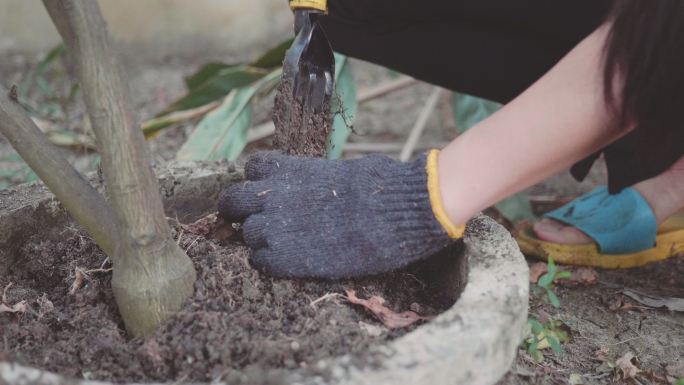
(312, 217)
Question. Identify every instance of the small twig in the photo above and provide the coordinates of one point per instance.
(325, 297)
(4, 292)
(419, 127)
(385, 88)
(192, 244)
(106, 261)
(87, 272)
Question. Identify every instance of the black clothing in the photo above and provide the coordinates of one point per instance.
(493, 49)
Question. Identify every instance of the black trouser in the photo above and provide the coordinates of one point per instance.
(488, 48)
(494, 49)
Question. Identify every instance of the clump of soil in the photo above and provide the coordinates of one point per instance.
(297, 130)
(240, 326)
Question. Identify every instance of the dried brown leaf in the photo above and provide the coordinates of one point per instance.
(536, 271)
(627, 365)
(210, 226)
(671, 303)
(580, 276)
(388, 317)
(78, 281)
(19, 307)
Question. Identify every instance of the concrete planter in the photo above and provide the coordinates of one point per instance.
(474, 342)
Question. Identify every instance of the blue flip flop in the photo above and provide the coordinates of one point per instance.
(622, 226)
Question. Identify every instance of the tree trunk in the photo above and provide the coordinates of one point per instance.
(152, 276)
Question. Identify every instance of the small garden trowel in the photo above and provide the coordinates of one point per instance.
(309, 65)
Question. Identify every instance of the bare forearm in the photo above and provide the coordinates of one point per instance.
(557, 121)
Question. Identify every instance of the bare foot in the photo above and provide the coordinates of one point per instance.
(557, 232)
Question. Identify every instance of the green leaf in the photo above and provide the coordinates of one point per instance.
(538, 355)
(216, 87)
(553, 298)
(50, 57)
(535, 326)
(545, 280)
(469, 110)
(679, 382)
(273, 57)
(551, 267)
(222, 133)
(563, 275)
(205, 73)
(344, 106)
(516, 208)
(554, 343)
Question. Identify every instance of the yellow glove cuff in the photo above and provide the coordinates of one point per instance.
(436, 198)
(321, 5)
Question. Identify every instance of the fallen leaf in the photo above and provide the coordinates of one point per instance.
(671, 303)
(536, 271)
(619, 303)
(388, 317)
(580, 276)
(602, 353)
(626, 364)
(19, 307)
(210, 226)
(575, 379)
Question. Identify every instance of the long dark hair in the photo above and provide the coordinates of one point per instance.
(644, 52)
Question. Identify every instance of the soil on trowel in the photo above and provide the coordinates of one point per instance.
(239, 327)
(297, 130)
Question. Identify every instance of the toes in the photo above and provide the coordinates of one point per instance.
(242, 200)
(254, 231)
(550, 230)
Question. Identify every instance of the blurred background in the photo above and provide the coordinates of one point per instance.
(157, 27)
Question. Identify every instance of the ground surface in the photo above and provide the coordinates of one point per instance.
(605, 325)
(600, 335)
(240, 326)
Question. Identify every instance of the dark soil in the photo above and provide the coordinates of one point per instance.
(240, 326)
(297, 130)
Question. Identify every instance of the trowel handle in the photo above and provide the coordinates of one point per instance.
(320, 5)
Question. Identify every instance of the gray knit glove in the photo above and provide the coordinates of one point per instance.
(311, 217)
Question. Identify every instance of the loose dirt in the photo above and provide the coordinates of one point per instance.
(605, 325)
(240, 326)
(298, 131)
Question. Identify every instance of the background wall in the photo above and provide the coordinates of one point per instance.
(158, 27)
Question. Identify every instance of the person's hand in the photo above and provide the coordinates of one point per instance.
(311, 217)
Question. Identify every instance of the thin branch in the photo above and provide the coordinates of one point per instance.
(81, 200)
(385, 88)
(421, 122)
